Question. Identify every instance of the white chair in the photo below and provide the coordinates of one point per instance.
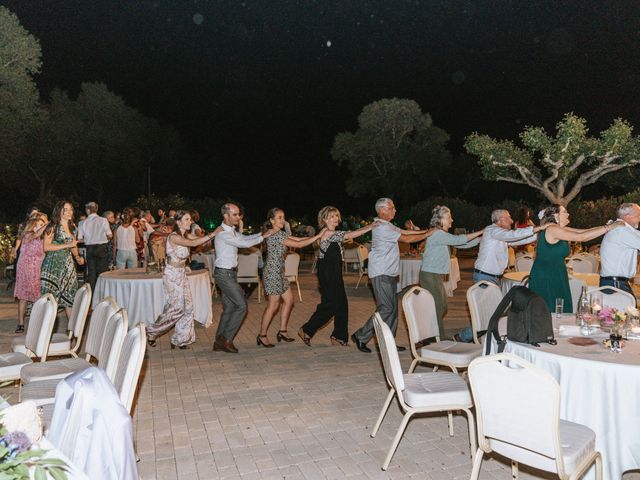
(129, 365)
(43, 316)
(517, 412)
(512, 259)
(248, 270)
(418, 392)
(483, 299)
(363, 254)
(69, 343)
(349, 256)
(575, 284)
(209, 262)
(36, 383)
(580, 265)
(616, 298)
(291, 266)
(420, 314)
(316, 256)
(524, 263)
(595, 262)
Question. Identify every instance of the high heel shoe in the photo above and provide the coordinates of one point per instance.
(281, 336)
(181, 347)
(337, 342)
(259, 342)
(305, 338)
(150, 342)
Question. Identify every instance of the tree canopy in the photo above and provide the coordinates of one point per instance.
(558, 167)
(393, 152)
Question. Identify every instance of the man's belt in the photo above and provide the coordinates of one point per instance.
(475, 270)
(234, 269)
(615, 279)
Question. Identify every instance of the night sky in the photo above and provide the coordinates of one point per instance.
(259, 89)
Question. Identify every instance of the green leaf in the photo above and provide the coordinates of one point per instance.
(58, 474)
(39, 473)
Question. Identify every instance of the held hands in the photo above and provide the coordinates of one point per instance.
(269, 232)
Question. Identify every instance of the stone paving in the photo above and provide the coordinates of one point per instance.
(289, 412)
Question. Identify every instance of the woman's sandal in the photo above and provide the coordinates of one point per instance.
(151, 343)
(337, 342)
(282, 336)
(19, 329)
(305, 338)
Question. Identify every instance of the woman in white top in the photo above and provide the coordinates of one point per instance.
(178, 305)
(127, 237)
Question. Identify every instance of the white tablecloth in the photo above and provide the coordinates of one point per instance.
(599, 389)
(143, 296)
(410, 273)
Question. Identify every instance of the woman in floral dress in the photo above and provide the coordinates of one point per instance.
(58, 273)
(27, 288)
(178, 305)
(276, 286)
(333, 299)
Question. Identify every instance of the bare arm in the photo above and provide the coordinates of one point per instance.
(296, 242)
(471, 236)
(556, 233)
(193, 241)
(412, 236)
(359, 232)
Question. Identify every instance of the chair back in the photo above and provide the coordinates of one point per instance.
(516, 403)
(590, 257)
(102, 312)
(524, 263)
(363, 254)
(594, 249)
(130, 364)
(291, 264)
(114, 334)
(483, 298)
(40, 328)
(512, 259)
(389, 354)
(79, 311)
(420, 313)
(580, 265)
(616, 298)
(248, 267)
(575, 284)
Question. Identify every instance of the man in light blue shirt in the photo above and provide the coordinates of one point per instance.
(619, 250)
(384, 268)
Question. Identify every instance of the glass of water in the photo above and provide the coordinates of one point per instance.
(559, 307)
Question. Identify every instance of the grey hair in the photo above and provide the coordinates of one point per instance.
(107, 213)
(91, 206)
(625, 209)
(496, 214)
(437, 214)
(381, 202)
(226, 208)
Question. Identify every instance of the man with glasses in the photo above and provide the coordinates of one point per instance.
(384, 268)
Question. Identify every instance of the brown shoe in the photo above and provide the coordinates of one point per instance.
(223, 345)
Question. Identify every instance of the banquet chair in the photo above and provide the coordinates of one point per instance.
(580, 265)
(594, 249)
(524, 263)
(66, 343)
(614, 297)
(595, 262)
(111, 342)
(316, 256)
(202, 258)
(363, 255)
(575, 285)
(420, 314)
(43, 316)
(517, 412)
(483, 298)
(248, 270)
(418, 392)
(291, 266)
(92, 428)
(350, 257)
(511, 265)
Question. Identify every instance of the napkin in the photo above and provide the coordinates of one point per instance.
(569, 330)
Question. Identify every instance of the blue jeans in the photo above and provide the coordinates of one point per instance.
(126, 259)
(617, 284)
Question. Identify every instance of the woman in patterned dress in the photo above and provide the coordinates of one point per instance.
(178, 305)
(58, 273)
(276, 286)
(333, 299)
(27, 288)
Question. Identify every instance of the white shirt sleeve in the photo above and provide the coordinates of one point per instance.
(242, 241)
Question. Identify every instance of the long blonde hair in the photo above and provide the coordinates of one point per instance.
(30, 226)
(324, 214)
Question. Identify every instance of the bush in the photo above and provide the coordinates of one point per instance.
(7, 239)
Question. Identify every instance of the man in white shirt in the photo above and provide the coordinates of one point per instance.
(96, 234)
(384, 268)
(619, 250)
(493, 256)
(234, 303)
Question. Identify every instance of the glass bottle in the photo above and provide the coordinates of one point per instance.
(584, 312)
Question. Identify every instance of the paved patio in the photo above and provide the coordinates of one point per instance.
(290, 412)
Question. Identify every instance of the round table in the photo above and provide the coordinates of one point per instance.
(142, 294)
(599, 389)
(410, 273)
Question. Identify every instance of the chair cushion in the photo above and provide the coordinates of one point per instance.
(40, 390)
(432, 389)
(11, 364)
(59, 343)
(457, 353)
(577, 443)
(52, 369)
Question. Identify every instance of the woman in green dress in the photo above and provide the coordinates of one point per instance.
(58, 273)
(549, 277)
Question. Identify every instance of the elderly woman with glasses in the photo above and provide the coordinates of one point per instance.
(436, 260)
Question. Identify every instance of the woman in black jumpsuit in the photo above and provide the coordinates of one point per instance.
(333, 300)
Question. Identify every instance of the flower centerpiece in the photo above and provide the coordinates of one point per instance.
(20, 430)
